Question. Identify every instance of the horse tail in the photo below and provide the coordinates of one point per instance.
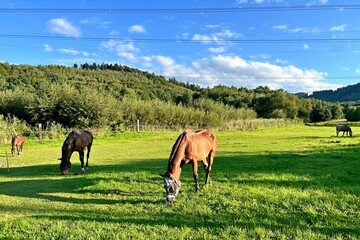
(176, 146)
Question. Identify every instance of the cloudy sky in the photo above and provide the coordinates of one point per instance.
(295, 45)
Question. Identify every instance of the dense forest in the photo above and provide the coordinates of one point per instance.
(345, 94)
(97, 95)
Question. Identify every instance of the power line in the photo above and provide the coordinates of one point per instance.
(172, 40)
(185, 10)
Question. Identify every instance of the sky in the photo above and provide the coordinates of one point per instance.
(294, 45)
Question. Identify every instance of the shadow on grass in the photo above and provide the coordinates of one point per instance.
(338, 168)
(335, 170)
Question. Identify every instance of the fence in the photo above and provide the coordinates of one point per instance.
(57, 131)
(4, 157)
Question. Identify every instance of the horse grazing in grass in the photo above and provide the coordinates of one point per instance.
(75, 141)
(343, 128)
(17, 143)
(190, 147)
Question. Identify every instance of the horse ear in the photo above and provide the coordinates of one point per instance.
(60, 159)
(163, 175)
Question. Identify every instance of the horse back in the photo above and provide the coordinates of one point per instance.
(78, 140)
(342, 127)
(197, 145)
(201, 143)
(17, 140)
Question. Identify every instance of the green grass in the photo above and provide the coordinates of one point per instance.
(297, 182)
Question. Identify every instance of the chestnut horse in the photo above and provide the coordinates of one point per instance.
(191, 148)
(17, 144)
(75, 141)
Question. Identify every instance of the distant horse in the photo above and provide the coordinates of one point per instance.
(343, 128)
(75, 141)
(17, 143)
(189, 147)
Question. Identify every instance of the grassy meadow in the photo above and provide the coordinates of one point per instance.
(294, 182)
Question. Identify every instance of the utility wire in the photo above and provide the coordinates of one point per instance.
(171, 40)
(185, 10)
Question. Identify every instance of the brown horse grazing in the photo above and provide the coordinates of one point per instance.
(343, 128)
(17, 143)
(191, 148)
(75, 141)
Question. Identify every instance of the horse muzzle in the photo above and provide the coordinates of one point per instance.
(170, 199)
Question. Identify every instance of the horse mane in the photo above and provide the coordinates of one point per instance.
(176, 146)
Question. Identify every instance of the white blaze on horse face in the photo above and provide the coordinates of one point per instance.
(170, 199)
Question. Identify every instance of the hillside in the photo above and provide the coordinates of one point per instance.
(115, 95)
(344, 94)
(119, 81)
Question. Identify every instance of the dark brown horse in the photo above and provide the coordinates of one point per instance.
(17, 143)
(75, 141)
(343, 128)
(191, 148)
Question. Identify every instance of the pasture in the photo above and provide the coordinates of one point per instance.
(295, 182)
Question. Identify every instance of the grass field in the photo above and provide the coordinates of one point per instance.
(297, 182)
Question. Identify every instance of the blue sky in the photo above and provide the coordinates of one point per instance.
(298, 46)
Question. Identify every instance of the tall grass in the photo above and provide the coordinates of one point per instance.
(292, 182)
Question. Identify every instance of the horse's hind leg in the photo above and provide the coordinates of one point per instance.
(208, 169)
(88, 155)
(81, 155)
(205, 164)
(195, 174)
(18, 149)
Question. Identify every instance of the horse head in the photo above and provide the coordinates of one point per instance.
(64, 166)
(171, 186)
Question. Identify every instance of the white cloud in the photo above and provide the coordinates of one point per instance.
(96, 21)
(64, 27)
(68, 51)
(137, 29)
(235, 71)
(202, 38)
(287, 28)
(338, 28)
(122, 49)
(217, 50)
(306, 46)
(316, 2)
(71, 61)
(227, 70)
(281, 27)
(281, 61)
(216, 37)
(259, 1)
(71, 51)
(48, 48)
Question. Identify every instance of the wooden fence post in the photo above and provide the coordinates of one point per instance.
(137, 125)
(40, 133)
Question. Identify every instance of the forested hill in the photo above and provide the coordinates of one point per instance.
(345, 94)
(115, 95)
(120, 81)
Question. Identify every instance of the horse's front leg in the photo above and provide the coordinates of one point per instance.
(195, 174)
(81, 155)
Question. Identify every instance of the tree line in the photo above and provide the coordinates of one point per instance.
(96, 95)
